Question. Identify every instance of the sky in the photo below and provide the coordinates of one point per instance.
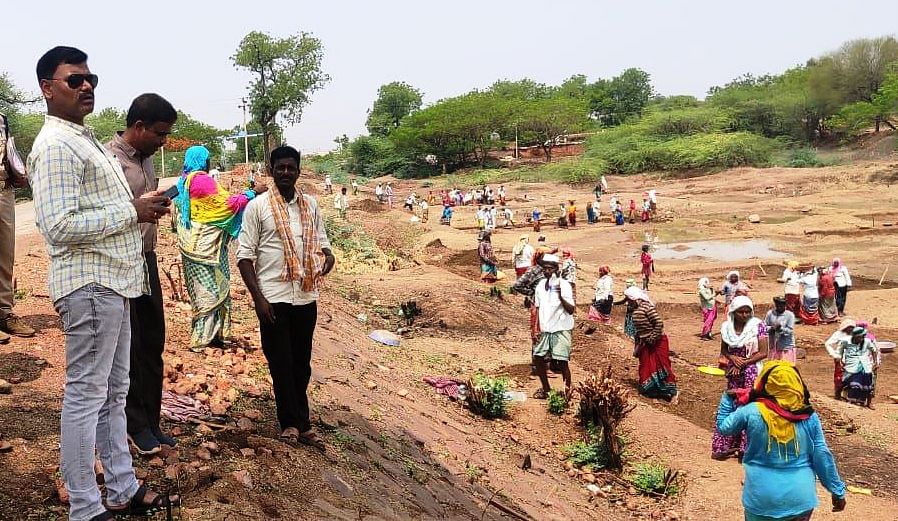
(181, 49)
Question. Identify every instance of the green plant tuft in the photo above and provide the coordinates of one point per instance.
(486, 396)
(655, 479)
(556, 402)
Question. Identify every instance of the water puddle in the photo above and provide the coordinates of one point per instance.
(718, 250)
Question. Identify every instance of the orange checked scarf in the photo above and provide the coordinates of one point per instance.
(309, 270)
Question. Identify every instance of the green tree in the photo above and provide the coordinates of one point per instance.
(623, 97)
(105, 123)
(882, 106)
(544, 121)
(286, 72)
(394, 101)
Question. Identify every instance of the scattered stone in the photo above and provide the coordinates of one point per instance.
(568, 465)
(572, 473)
(252, 414)
(632, 505)
(219, 408)
(5, 387)
(15, 380)
(806, 209)
(40, 362)
(243, 477)
(203, 454)
(204, 429)
(264, 451)
(339, 484)
(589, 477)
(593, 489)
(172, 471)
(402, 392)
(140, 473)
(754, 218)
(156, 462)
(247, 452)
(245, 424)
(371, 385)
(801, 353)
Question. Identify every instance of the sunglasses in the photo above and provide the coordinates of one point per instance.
(75, 81)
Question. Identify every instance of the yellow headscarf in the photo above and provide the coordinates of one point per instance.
(779, 379)
(792, 265)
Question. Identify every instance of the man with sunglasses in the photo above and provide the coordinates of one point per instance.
(89, 218)
(149, 122)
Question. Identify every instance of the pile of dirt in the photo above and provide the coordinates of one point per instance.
(367, 205)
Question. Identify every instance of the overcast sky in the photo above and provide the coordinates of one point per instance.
(181, 49)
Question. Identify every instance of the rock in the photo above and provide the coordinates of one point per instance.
(402, 392)
(204, 429)
(243, 477)
(5, 387)
(801, 353)
(593, 489)
(339, 484)
(754, 218)
(264, 451)
(40, 362)
(589, 477)
(371, 385)
(673, 516)
(173, 471)
(140, 473)
(806, 209)
(247, 452)
(525, 462)
(156, 462)
(252, 414)
(15, 380)
(245, 424)
(203, 454)
(572, 473)
(632, 505)
(219, 408)
(568, 465)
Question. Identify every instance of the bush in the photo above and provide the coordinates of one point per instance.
(603, 406)
(350, 239)
(557, 402)
(804, 158)
(585, 454)
(655, 479)
(486, 396)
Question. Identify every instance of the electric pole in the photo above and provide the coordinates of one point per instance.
(245, 132)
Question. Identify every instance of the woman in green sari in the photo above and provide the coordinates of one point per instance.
(208, 218)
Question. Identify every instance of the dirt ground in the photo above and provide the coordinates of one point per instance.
(398, 450)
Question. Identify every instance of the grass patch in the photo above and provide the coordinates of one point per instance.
(556, 402)
(486, 396)
(351, 240)
(655, 479)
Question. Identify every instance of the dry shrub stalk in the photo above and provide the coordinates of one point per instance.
(604, 404)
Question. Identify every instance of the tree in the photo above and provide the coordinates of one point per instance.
(11, 98)
(882, 106)
(105, 123)
(623, 97)
(287, 71)
(394, 101)
(543, 121)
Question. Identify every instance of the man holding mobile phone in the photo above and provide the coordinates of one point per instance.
(149, 122)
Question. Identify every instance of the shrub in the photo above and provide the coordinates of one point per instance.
(603, 406)
(486, 396)
(655, 479)
(557, 402)
(350, 239)
(804, 158)
(586, 454)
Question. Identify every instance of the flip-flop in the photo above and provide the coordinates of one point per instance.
(311, 439)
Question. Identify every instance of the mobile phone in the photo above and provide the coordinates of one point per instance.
(172, 192)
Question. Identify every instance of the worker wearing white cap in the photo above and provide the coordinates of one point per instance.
(554, 300)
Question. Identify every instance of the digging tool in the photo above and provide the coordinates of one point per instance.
(884, 275)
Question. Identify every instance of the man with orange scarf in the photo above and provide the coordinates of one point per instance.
(284, 253)
(786, 451)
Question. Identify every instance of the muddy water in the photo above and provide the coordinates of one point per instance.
(719, 250)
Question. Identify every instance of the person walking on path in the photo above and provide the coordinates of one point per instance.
(10, 178)
(149, 122)
(785, 450)
(842, 279)
(555, 307)
(780, 324)
(341, 202)
(648, 266)
(283, 255)
(89, 218)
(743, 347)
(652, 348)
(708, 305)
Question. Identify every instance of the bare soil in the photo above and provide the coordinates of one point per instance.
(398, 450)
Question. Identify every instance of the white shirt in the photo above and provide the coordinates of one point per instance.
(341, 202)
(525, 259)
(791, 278)
(378, 190)
(604, 287)
(834, 342)
(214, 174)
(259, 242)
(327, 181)
(552, 316)
(809, 282)
(841, 277)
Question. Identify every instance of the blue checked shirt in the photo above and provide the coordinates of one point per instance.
(83, 209)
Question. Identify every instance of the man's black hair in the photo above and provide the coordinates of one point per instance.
(150, 108)
(284, 152)
(46, 66)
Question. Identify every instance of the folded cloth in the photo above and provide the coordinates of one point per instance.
(180, 408)
(444, 385)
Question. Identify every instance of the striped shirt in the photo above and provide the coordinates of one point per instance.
(84, 211)
(648, 323)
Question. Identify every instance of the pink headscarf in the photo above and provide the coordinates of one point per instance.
(837, 263)
(567, 253)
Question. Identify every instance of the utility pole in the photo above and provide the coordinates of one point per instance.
(245, 132)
